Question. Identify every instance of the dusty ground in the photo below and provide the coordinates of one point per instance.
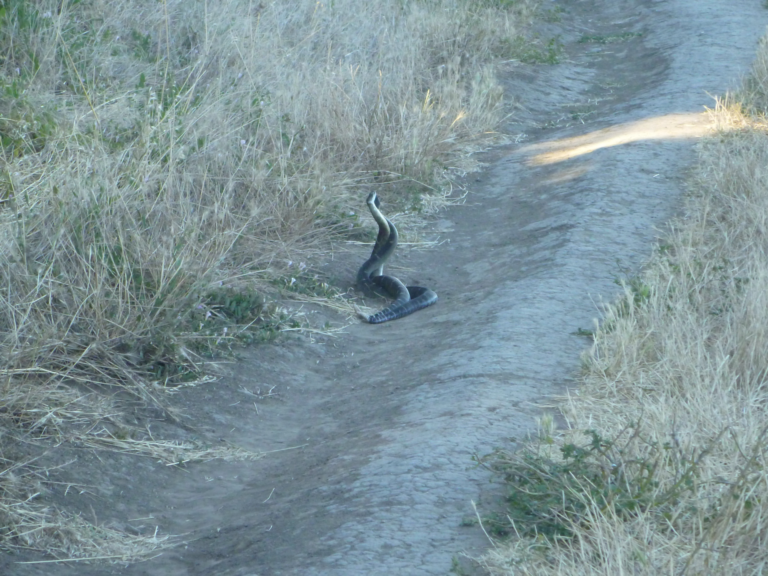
(383, 420)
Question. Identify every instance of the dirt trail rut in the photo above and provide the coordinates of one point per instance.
(389, 416)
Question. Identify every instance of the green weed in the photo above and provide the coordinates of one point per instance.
(636, 294)
(24, 127)
(624, 476)
(552, 15)
(227, 316)
(639, 290)
(309, 284)
(456, 567)
(533, 52)
(585, 332)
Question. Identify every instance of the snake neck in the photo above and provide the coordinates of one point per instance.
(385, 230)
(386, 242)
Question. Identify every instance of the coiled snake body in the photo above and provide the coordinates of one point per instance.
(408, 299)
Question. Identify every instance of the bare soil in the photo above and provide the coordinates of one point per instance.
(375, 429)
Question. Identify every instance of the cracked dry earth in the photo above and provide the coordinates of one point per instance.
(387, 417)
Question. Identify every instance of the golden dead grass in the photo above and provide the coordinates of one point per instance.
(160, 163)
(679, 366)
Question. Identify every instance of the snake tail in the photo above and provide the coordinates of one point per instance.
(420, 297)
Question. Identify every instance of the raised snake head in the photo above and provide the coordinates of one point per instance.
(373, 199)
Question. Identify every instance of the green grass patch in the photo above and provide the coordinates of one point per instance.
(551, 494)
(535, 51)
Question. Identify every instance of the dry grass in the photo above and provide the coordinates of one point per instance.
(675, 478)
(24, 524)
(161, 163)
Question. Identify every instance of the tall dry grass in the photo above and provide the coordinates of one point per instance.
(161, 161)
(674, 477)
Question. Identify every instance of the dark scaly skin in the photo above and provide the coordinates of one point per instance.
(408, 299)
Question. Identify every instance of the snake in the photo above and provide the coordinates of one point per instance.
(407, 299)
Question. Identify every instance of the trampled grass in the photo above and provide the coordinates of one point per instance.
(163, 161)
(664, 465)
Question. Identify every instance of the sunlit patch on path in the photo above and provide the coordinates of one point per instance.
(667, 127)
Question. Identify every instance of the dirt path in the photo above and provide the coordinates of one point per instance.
(389, 416)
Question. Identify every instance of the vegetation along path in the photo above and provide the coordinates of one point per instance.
(383, 421)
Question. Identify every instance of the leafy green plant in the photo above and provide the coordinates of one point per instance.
(626, 475)
(309, 284)
(236, 306)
